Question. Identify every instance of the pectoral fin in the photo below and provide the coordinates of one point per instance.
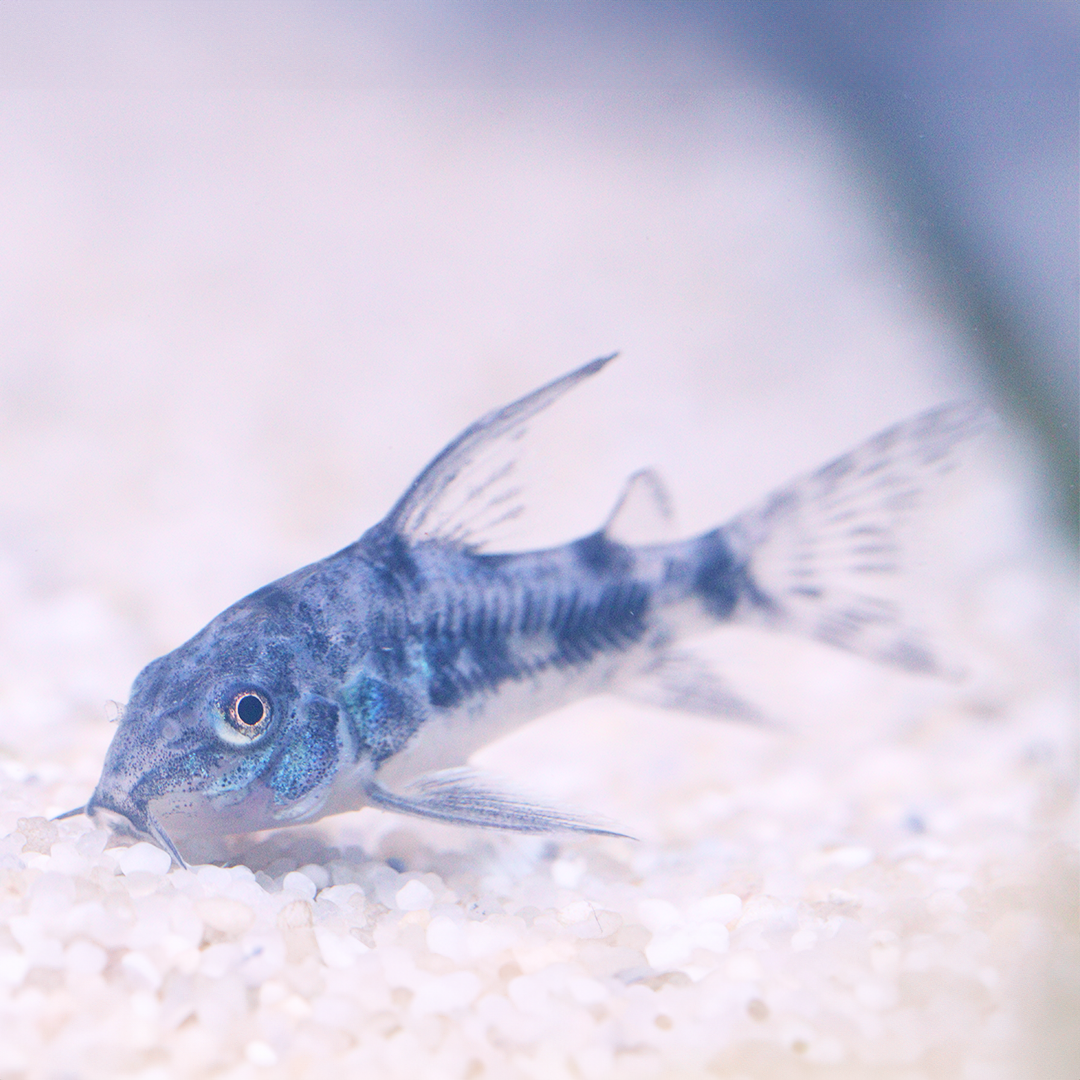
(463, 797)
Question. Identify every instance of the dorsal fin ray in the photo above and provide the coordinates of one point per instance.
(471, 487)
(643, 513)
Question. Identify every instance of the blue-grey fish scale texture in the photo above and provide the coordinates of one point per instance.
(367, 679)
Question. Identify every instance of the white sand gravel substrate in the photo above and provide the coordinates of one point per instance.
(824, 905)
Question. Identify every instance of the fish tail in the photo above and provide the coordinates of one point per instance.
(820, 556)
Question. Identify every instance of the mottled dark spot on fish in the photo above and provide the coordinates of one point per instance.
(492, 664)
(721, 580)
(384, 645)
(491, 563)
(280, 661)
(388, 551)
(613, 620)
(273, 599)
(466, 652)
(441, 651)
(310, 619)
(602, 555)
(444, 691)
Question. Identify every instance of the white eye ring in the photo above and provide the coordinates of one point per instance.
(249, 715)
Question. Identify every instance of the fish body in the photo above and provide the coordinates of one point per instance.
(368, 678)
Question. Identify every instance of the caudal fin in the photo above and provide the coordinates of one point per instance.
(819, 553)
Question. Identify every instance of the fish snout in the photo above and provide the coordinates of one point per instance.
(118, 810)
(121, 814)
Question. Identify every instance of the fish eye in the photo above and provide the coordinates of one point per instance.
(250, 709)
(249, 712)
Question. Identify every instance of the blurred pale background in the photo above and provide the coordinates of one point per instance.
(262, 260)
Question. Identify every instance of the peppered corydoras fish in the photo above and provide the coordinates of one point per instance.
(367, 679)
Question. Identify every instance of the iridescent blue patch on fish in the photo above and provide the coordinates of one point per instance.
(381, 718)
(310, 755)
(601, 555)
(242, 773)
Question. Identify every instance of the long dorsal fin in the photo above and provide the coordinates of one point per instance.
(471, 487)
(643, 514)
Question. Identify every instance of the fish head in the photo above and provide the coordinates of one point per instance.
(226, 734)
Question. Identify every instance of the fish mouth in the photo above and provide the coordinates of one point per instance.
(125, 817)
